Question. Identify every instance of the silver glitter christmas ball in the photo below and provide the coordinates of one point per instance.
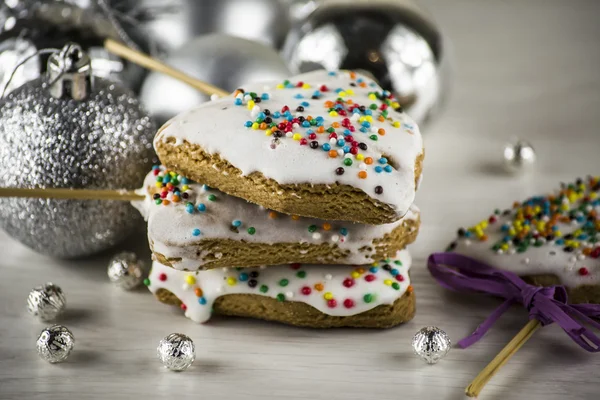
(79, 132)
(55, 344)
(519, 156)
(46, 302)
(396, 42)
(125, 270)
(431, 344)
(176, 352)
(225, 61)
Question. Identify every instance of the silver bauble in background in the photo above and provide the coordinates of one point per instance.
(103, 140)
(225, 61)
(52, 24)
(266, 21)
(393, 40)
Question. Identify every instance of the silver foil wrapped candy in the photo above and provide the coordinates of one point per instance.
(176, 352)
(46, 302)
(125, 270)
(55, 344)
(431, 344)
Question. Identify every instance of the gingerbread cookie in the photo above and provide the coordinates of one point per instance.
(333, 146)
(548, 240)
(319, 296)
(192, 227)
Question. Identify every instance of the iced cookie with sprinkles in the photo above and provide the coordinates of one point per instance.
(333, 146)
(319, 296)
(548, 240)
(194, 227)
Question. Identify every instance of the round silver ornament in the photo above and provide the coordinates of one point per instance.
(431, 344)
(265, 21)
(78, 132)
(46, 302)
(125, 270)
(52, 24)
(55, 344)
(176, 352)
(519, 156)
(225, 61)
(395, 41)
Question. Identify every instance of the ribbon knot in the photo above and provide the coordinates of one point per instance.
(546, 304)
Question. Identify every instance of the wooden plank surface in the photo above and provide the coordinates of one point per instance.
(522, 68)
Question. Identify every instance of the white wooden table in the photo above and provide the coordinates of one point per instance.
(524, 68)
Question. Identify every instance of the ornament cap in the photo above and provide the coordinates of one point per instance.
(70, 73)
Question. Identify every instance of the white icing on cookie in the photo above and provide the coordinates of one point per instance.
(172, 228)
(568, 248)
(219, 128)
(338, 290)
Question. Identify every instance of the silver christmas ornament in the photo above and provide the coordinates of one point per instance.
(125, 270)
(519, 156)
(431, 344)
(265, 21)
(72, 130)
(176, 352)
(46, 302)
(55, 344)
(225, 61)
(52, 24)
(393, 40)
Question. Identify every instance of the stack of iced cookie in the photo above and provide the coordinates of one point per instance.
(290, 202)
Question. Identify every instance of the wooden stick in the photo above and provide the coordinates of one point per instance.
(502, 358)
(72, 194)
(146, 61)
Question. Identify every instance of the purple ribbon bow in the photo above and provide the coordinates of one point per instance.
(546, 304)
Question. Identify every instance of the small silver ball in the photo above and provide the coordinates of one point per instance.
(431, 344)
(176, 352)
(519, 156)
(125, 270)
(46, 302)
(55, 344)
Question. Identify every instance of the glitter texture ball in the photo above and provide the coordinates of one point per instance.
(102, 142)
(519, 156)
(431, 344)
(126, 271)
(55, 344)
(176, 352)
(46, 302)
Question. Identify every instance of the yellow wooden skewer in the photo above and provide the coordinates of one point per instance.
(146, 61)
(502, 358)
(72, 194)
